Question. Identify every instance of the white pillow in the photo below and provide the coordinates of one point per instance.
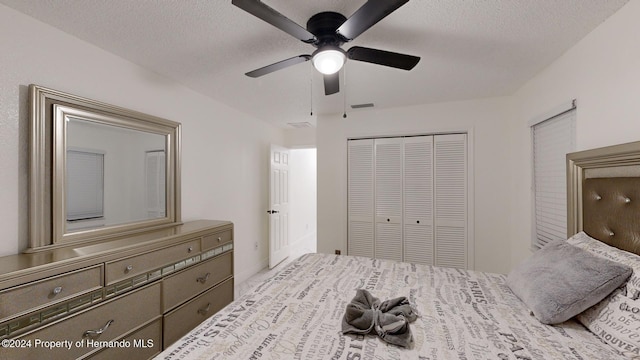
(616, 319)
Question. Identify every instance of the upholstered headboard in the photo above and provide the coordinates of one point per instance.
(603, 191)
(611, 211)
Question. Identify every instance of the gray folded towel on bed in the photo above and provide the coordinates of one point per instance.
(390, 319)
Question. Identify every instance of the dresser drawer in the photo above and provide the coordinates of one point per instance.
(123, 314)
(136, 265)
(211, 241)
(181, 320)
(190, 282)
(18, 300)
(142, 344)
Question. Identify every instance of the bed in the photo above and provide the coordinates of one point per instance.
(462, 314)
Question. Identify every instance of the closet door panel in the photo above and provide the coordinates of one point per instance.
(418, 244)
(418, 200)
(361, 237)
(388, 178)
(450, 176)
(360, 198)
(389, 241)
(451, 247)
(388, 198)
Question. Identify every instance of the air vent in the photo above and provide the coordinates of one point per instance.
(360, 106)
(300, 125)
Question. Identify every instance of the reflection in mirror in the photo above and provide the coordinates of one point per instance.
(98, 172)
(114, 175)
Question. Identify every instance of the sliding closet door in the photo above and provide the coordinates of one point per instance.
(360, 198)
(418, 200)
(388, 198)
(450, 188)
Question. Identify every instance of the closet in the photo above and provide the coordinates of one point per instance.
(407, 199)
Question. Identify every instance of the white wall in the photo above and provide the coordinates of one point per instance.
(603, 73)
(486, 121)
(303, 193)
(300, 138)
(224, 153)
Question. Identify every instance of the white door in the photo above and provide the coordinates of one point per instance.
(360, 198)
(278, 205)
(388, 198)
(418, 200)
(450, 156)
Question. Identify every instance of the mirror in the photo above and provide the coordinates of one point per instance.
(112, 174)
(98, 171)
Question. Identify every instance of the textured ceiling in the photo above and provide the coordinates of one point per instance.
(469, 48)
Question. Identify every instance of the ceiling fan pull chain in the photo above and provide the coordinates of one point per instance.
(311, 96)
(344, 92)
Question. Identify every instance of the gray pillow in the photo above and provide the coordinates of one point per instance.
(560, 281)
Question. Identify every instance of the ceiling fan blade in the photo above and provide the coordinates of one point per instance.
(264, 12)
(332, 83)
(278, 66)
(382, 57)
(367, 16)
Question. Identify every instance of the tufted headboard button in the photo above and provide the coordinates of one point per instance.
(610, 207)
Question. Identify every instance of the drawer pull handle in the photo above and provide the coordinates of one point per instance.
(190, 249)
(99, 331)
(219, 238)
(205, 310)
(57, 290)
(203, 279)
(128, 268)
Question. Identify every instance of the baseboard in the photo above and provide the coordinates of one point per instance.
(301, 245)
(298, 247)
(241, 277)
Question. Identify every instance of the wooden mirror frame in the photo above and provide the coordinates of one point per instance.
(46, 170)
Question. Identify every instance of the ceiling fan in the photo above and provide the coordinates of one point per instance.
(327, 31)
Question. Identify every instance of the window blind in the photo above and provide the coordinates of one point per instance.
(85, 185)
(552, 140)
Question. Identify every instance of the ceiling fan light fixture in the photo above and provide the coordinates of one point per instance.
(328, 60)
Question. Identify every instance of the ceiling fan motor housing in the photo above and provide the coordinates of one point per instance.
(324, 25)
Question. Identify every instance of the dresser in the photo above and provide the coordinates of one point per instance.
(129, 297)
